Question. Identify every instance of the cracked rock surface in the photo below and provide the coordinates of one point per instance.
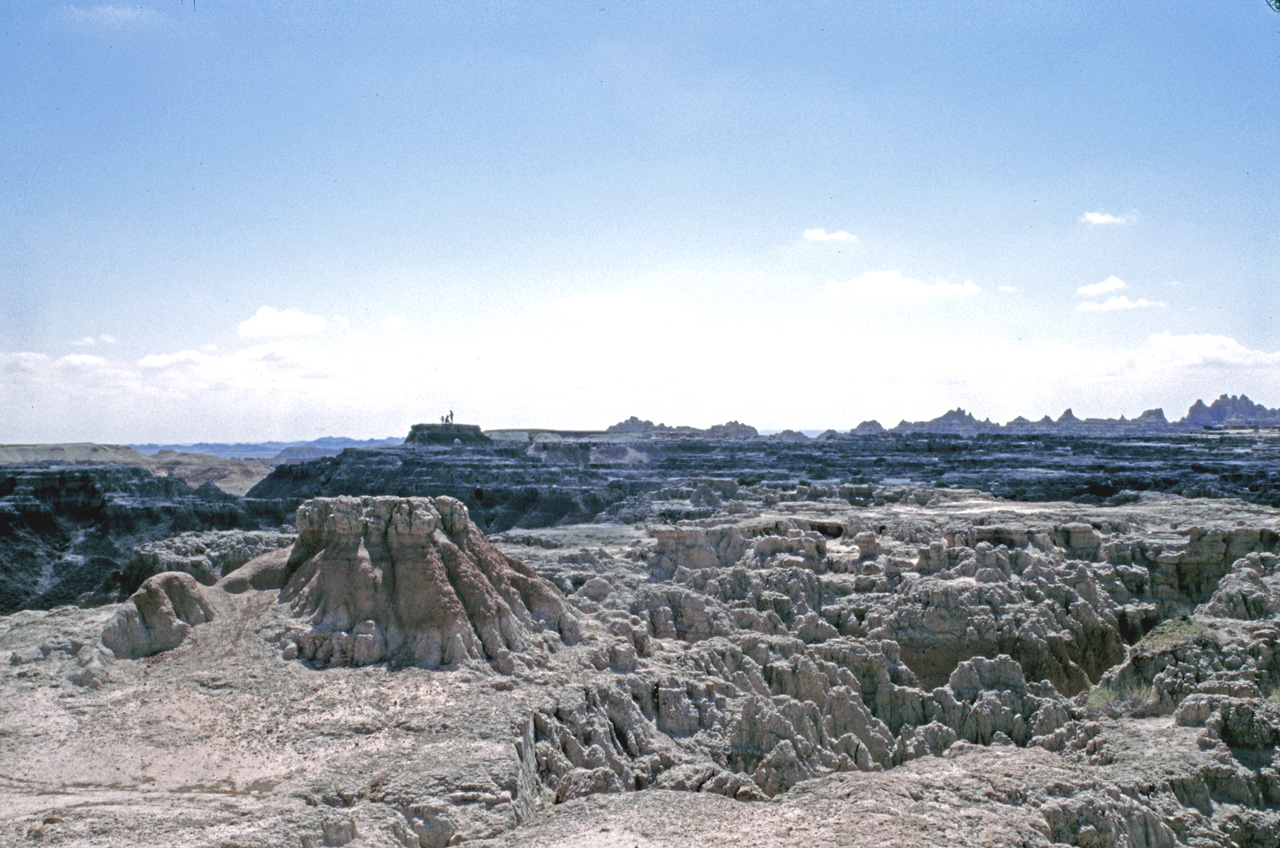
(935, 666)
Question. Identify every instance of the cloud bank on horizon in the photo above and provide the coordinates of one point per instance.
(351, 380)
(231, 223)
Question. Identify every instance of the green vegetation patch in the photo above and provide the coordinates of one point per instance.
(1174, 633)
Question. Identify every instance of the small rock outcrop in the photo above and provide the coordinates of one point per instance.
(157, 617)
(263, 573)
(446, 435)
(413, 581)
(732, 430)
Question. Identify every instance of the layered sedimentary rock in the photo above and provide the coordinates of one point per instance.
(67, 530)
(413, 581)
(542, 480)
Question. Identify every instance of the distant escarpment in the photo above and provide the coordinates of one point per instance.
(65, 530)
(547, 478)
(233, 476)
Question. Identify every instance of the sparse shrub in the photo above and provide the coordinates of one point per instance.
(1105, 700)
(1102, 699)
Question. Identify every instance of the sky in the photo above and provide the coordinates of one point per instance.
(265, 219)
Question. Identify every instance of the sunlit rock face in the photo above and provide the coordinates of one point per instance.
(158, 617)
(413, 581)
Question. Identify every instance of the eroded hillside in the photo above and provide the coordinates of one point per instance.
(936, 666)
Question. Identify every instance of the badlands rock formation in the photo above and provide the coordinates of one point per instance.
(935, 666)
(1227, 412)
(413, 581)
(67, 531)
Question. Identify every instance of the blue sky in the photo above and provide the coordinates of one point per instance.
(261, 220)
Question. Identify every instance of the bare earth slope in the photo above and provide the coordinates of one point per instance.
(936, 667)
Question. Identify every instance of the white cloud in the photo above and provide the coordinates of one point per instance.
(168, 360)
(82, 360)
(822, 235)
(1101, 219)
(508, 371)
(1203, 350)
(1110, 284)
(1118, 302)
(90, 340)
(893, 285)
(396, 322)
(22, 363)
(272, 323)
(1007, 289)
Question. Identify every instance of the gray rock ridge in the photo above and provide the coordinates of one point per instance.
(1226, 412)
(728, 430)
(266, 450)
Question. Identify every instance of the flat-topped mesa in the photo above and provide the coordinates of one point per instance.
(446, 435)
(413, 581)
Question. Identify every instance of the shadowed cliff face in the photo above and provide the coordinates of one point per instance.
(64, 529)
(581, 478)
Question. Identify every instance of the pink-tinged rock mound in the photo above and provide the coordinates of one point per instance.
(157, 617)
(413, 581)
